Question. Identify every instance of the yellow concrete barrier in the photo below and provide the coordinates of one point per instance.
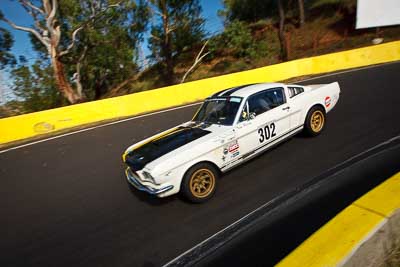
(33, 124)
(338, 239)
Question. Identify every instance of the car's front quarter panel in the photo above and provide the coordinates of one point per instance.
(208, 146)
(171, 169)
(175, 176)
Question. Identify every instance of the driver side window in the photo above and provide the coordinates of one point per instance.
(266, 100)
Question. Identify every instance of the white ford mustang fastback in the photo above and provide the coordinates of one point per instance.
(230, 127)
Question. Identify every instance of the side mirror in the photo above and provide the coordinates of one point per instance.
(252, 115)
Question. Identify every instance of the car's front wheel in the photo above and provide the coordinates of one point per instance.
(315, 121)
(199, 182)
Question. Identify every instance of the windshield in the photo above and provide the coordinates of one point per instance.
(221, 110)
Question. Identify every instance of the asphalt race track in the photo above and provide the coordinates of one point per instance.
(65, 202)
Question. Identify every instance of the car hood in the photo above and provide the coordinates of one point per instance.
(171, 140)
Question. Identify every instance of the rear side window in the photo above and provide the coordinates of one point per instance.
(293, 91)
(266, 100)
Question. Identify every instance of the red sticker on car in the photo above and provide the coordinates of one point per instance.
(327, 101)
(233, 147)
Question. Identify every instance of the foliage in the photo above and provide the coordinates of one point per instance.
(236, 39)
(104, 51)
(36, 86)
(111, 41)
(179, 27)
(6, 42)
(254, 10)
(248, 10)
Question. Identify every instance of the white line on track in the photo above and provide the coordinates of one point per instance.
(171, 109)
(98, 126)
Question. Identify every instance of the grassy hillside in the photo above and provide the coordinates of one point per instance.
(324, 32)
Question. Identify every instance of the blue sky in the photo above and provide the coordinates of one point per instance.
(22, 45)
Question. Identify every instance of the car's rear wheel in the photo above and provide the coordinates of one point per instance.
(199, 182)
(315, 121)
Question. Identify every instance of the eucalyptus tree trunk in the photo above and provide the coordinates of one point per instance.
(62, 83)
(301, 13)
(281, 33)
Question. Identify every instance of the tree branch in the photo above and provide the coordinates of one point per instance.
(79, 89)
(159, 13)
(26, 29)
(155, 37)
(171, 29)
(47, 6)
(29, 4)
(153, 9)
(198, 59)
(50, 19)
(71, 45)
(34, 15)
(82, 26)
(201, 50)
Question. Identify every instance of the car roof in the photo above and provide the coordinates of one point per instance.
(247, 90)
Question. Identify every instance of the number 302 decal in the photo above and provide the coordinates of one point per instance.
(267, 132)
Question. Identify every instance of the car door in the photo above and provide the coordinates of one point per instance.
(268, 120)
(246, 131)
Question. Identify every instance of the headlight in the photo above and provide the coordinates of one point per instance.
(148, 177)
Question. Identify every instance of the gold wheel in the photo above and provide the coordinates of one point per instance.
(202, 183)
(317, 121)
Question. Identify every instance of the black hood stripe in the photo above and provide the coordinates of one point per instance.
(161, 145)
(230, 91)
(220, 92)
(233, 90)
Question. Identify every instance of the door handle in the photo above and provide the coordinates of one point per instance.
(287, 108)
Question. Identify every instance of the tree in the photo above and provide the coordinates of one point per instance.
(62, 27)
(282, 39)
(236, 39)
(106, 53)
(35, 86)
(253, 10)
(301, 13)
(200, 56)
(178, 26)
(6, 42)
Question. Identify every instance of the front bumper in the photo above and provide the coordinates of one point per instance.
(146, 186)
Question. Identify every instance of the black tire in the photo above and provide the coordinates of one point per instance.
(200, 182)
(315, 121)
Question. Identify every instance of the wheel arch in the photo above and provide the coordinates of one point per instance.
(185, 183)
(204, 161)
(317, 105)
(310, 108)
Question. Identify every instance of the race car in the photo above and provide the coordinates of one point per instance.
(229, 128)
